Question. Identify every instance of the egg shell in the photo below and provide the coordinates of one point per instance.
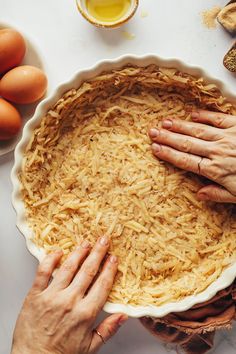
(10, 120)
(23, 84)
(12, 49)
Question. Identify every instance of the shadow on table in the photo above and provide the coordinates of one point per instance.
(6, 158)
(113, 36)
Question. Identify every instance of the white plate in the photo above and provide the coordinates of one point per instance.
(32, 57)
(227, 276)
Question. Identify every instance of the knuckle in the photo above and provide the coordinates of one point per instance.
(185, 162)
(199, 132)
(36, 284)
(90, 271)
(88, 314)
(218, 173)
(203, 169)
(44, 301)
(69, 267)
(84, 315)
(179, 125)
(176, 124)
(105, 284)
(186, 145)
(75, 318)
(214, 171)
(161, 134)
(57, 302)
(68, 305)
(219, 151)
(225, 146)
(43, 271)
(111, 330)
(219, 121)
(206, 170)
(164, 135)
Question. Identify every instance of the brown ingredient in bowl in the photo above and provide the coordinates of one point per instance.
(209, 17)
(230, 59)
(227, 17)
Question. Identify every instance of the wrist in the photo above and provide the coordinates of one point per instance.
(16, 350)
(23, 350)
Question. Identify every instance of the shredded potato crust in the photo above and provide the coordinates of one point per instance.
(89, 170)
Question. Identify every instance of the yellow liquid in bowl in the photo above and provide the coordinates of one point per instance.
(108, 10)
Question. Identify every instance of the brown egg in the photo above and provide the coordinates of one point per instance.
(12, 49)
(23, 84)
(10, 120)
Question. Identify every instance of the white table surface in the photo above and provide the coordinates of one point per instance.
(67, 43)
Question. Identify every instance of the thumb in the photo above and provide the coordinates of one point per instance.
(215, 193)
(107, 328)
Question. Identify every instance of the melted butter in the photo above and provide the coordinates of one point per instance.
(144, 13)
(128, 35)
(108, 10)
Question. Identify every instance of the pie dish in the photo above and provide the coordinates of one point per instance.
(131, 67)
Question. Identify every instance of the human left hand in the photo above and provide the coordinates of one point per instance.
(58, 316)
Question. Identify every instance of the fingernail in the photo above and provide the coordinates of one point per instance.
(156, 148)
(122, 320)
(167, 123)
(203, 196)
(104, 241)
(85, 244)
(153, 133)
(113, 259)
(195, 115)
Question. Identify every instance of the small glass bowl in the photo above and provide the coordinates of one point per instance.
(81, 5)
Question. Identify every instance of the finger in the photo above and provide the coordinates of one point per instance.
(197, 130)
(70, 267)
(215, 193)
(181, 142)
(187, 162)
(107, 329)
(45, 270)
(217, 119)
(100, 290)
(90, 267)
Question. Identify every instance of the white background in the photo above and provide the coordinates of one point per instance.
(67, 43)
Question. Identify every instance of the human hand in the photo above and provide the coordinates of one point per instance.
(58, 317)
(206, 146)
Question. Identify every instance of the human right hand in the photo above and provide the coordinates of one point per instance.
(58, 316)
(206, 146)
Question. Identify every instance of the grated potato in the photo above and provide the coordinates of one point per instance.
(88, 171)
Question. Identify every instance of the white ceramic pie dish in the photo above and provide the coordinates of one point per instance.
(226, 278)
